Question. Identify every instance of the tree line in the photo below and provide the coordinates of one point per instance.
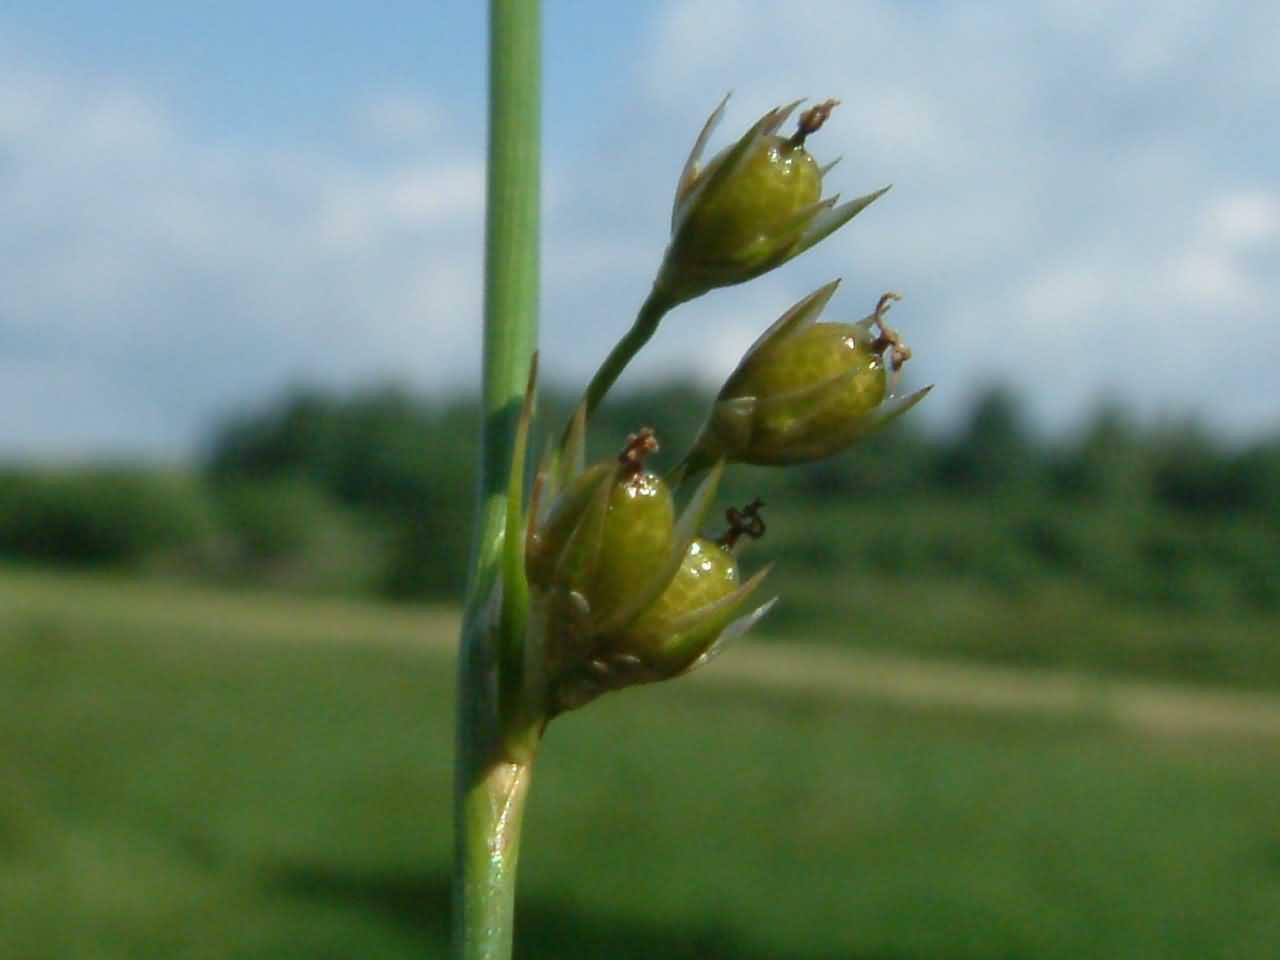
(371, 491)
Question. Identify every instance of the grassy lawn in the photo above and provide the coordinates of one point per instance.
(196, 774)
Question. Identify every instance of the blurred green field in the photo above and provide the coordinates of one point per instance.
(189, 773)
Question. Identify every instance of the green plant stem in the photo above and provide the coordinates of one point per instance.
(490, 797)
(655, 307)
(493, 768)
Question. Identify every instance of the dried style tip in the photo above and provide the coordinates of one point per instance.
(746, 521)
(889, 341)
(640, 445)
(811, 121)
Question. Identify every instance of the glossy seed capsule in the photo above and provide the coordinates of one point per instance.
(707, 574)
(823, 353)
(775, 182)
(635, 544)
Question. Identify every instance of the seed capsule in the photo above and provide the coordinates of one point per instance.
(707, 575)
(635, 543)
(754, 206)
(806, 390)
(703, 600)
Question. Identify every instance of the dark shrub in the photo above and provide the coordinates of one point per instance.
(100, 515)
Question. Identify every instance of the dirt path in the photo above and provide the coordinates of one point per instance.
(154, 608)
(1162, 709)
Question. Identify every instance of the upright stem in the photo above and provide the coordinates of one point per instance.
(492, 777)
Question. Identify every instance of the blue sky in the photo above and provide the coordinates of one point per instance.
(200, 203)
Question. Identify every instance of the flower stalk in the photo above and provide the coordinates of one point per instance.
(655, 307)
(592, 581)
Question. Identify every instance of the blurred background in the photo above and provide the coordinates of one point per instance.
(1021, 696)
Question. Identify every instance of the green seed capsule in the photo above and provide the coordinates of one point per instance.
(708, 574)
(753, 207)
(609, 537)
(635, 543)
(756, 209)
(663, 636)
(806, 390)
(823, 353)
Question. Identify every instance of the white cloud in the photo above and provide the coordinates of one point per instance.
(399, 119)
(157, 279)
(411, 199)
(1245, 219)
(1210, 279)
(1085, 199)
(1082, 192)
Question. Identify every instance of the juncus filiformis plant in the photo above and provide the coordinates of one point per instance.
(600, 576)
(607, 585)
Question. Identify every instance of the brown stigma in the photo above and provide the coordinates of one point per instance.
(746, 521)
(811, 121)
(640, 445)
